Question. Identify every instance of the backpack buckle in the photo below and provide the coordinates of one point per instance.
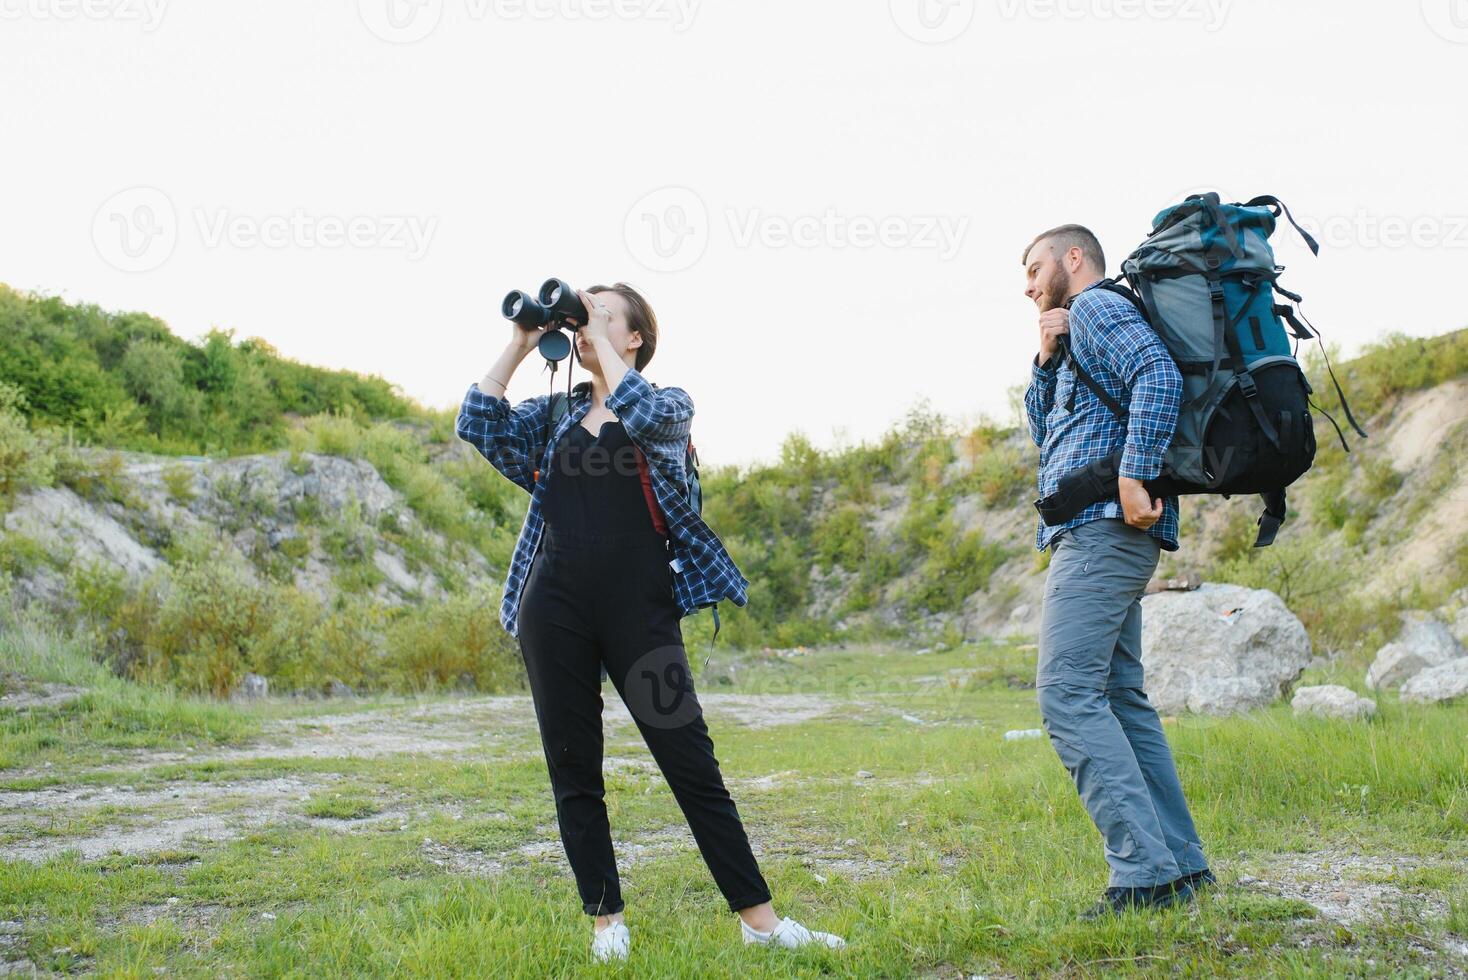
(1247, 386)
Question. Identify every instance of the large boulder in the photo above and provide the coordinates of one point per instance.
(1459, 627)
(1441, 683)
(1221, 649)
(1423, 642)
(1332, 701)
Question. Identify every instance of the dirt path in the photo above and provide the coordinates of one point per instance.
(97, 820)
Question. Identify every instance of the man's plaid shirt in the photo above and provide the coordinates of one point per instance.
(1125, 357)
(658, 420)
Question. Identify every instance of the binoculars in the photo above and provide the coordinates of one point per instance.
(554, 307)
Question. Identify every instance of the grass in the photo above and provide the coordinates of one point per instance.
(959, 853)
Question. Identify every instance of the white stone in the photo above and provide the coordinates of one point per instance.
(1423, 642)
(1332, 701)
(1221, 649)
(253, 686)
(1441, 683)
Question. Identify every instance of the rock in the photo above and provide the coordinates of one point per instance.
(1020, 734)
(1423, 642)
(65, 522)
(252, 686)
(863, 774)
(1332, 701)
(337, 689)
(1441, 683)
(1220, 649)
(1459, 626)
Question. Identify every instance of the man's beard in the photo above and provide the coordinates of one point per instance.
(1056, 291)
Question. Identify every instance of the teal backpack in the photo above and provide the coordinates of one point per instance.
(1206, 281)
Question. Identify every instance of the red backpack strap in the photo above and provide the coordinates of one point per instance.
(660, 525)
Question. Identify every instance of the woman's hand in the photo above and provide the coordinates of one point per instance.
(599, 317)
(523, 341)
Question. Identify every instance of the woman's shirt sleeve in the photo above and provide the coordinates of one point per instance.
(510, 438)
(658, 419)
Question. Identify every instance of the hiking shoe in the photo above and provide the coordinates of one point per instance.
(1198, 880)
(1118, 900)
(611, 943)
(791, 935)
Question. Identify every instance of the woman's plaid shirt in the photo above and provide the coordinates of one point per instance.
(1126, 357)
(658, 420)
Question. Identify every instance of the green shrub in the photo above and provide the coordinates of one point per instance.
(457, 643)
(20, 555)
(123, 380)
(179, 482)
(25, 457)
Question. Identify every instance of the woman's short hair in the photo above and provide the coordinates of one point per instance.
(640, 317)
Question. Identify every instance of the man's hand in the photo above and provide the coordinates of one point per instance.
(1137, 505)
(1053, 324)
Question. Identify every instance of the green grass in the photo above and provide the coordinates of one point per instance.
(960, 853)
(108, 713)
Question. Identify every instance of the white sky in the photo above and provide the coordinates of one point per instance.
(520, 139)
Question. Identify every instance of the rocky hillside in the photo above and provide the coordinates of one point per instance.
(931, 531)
(370, 551)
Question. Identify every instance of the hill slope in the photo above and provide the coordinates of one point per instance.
(368, 547)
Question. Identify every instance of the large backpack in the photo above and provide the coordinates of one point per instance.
(1206, 281)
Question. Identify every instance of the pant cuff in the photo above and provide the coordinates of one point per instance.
(749, 900)
(603, 908)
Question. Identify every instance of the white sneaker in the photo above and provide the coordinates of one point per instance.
(611, 943)
(789, 934)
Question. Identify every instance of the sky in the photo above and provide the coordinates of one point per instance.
(826, 203)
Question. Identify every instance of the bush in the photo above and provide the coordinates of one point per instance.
(123, 380)
(458, 643)
(25, 457)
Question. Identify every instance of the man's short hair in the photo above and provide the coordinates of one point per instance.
(1067, 237)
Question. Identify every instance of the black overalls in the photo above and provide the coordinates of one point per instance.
(600, 591)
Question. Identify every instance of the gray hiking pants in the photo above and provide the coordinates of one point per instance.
(1103, 727)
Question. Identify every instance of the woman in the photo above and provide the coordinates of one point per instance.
(595, 582)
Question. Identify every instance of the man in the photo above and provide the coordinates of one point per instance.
(1089, 679)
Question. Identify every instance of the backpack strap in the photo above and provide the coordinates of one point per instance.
(1082, 375)
(653, 509)
(1227, 325)
(1085, 378)
(1269, 200)
(1272, 518)
(560, 407)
